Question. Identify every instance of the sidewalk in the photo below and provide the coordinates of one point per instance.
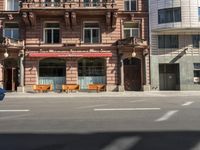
(105, 94)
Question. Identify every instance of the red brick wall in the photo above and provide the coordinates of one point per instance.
(31, 66)
(72, 71)
(111, 72)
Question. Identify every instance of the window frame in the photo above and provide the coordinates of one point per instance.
(131, 29)
(13, 6)
(171, 38)
(47, 28)
(129, 9)
(99, 32)
(165, 12)
(12, 30)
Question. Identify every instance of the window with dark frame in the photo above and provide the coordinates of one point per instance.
(130, 5)
(169, 15)
(91, 33)
(168, 41)
(11, 30)
(52, 33)
(195, 41)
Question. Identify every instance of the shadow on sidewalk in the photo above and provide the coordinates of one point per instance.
(182, 140)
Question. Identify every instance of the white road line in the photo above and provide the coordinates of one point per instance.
(124, 109)
(187, 103)
(92, 106)
(15, 110)
(167, 115)
(137, 101)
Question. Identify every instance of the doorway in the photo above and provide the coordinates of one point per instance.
(132, 74)
(169, 77)
(11, 70)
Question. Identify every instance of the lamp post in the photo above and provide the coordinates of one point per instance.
(6, 54)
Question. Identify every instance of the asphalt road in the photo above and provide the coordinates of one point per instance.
(156, 123)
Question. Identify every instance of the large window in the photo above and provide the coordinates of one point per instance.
(196, 73)
(11, 30)
(169, 15)
(131, 29)
(91, 33)
(52, 33)
(91, 67)
(168, 41)
(195, 41)
(130, 5)
(12, 5)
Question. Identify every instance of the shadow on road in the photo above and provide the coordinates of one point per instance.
(183, 140)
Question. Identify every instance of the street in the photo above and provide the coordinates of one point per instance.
(108, 123)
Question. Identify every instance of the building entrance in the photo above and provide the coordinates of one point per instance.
(132, 74)
(169, 77)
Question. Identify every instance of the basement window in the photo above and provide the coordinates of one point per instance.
(196, 73)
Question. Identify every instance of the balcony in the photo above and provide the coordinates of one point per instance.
(134, 42)
(11, 43)
(67, 5)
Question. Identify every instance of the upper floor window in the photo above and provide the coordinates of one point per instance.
(130, 5)
(168, 41)
(169, 15)
(91, 3)
(52, 33)
(131, 29)
(12, 5)
(11, 30)
(199, 13)
(91, 33)
(195, 41)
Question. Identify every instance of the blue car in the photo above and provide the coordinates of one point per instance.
(2, 94)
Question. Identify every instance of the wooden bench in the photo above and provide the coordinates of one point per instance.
(97, 87)
(70, 87)
(42, 87)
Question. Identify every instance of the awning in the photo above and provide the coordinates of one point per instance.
(70, 54)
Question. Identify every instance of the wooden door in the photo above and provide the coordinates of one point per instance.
(132, 74)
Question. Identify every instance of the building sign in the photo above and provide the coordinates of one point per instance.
(70, 54)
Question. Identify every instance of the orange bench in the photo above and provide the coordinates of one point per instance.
(70, 87)
(42, 87)
(97, 87)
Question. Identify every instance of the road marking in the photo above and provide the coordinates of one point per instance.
(15, 110)
(187, 103)
(167, 115)
(92, 106)
(123, 109)
(137, 101)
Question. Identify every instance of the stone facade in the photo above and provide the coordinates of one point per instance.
(71, 19)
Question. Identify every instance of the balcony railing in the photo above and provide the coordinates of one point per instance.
(132, 41)
(9, 42)
(70, 4)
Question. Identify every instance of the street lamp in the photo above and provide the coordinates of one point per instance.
(133, 53)
(6, 54)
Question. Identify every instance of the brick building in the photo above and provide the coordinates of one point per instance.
(74, 42)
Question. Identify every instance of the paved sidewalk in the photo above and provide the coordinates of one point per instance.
(105, 94)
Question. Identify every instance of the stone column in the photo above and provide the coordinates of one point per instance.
(21, 85)
(146, 87)
(121, 86)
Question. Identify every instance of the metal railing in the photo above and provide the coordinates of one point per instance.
(133, 41)
(67, 4)
(9, 42)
